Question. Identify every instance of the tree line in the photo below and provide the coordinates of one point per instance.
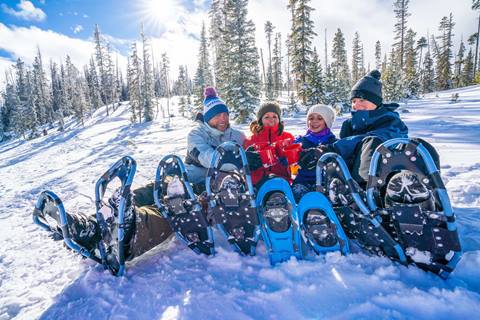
(36, 98)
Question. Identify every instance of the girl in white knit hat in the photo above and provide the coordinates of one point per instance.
(320, 118)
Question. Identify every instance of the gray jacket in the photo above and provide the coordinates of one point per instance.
(201, 143)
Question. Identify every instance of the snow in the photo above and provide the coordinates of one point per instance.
(40, 279)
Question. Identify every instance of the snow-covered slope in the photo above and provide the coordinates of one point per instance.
(40, 279)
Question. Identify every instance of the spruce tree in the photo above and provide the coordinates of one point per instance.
(277, 66)
(203, 77)
(241, 91)
(57, 97)
(101, 63)
(411, 81)
(25, 118)
(316, 92)
(392, 79)
(269, 79)
(147, 84)
(378, 55)
(301, 38)
(357, 71)
(466, 77)
(134, 75)
(459, 61)
(400, 29)
(444, 66)
(338, 74)
(218, 21)
(41, 94)
(428, 74)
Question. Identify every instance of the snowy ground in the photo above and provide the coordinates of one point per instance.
(40, 279)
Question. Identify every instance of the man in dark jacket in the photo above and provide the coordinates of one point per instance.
(372, 123)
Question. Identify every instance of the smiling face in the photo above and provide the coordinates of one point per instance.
(219, 122)
(359, 104)
(315, 122)
(270, 119)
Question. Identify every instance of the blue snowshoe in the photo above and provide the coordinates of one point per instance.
(320, 227)
(406, 190)
(279, 220)
(348, 200)
(178, 203)
(232, 206)
(104, 238)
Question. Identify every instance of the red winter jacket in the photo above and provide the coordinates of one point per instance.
(270, 135)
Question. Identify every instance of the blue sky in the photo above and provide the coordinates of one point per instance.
(173, 26)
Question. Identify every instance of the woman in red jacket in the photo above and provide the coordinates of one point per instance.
(268, 129)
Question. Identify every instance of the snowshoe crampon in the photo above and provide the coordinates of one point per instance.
(348, 200)
(112, 222)
(231, 196)
(320, 227)
(405, 187)
(178, 204)
(280, 224)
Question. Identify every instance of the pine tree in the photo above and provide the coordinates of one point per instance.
(421, 43)
(9, 108)
(56, 98)
(203, 76)
(411, 81)
(25, 117)
(277, 66)
(392, 79)
(93, 85)
(401, 15)
(241, 90)
(217, 30)
(75, 91)
(357, 72)
(134, 76)
(269, 80)
(165, 81)
(444, 66)
(316, 93)
(41, 94)
(101, 63)
(301, 37)
(338, 74)
(147, 84)
(378, 55)
(466, 77)
(457, 75)
(428, 74)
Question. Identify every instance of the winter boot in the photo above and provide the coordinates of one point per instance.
(277, 212)
(319, 226)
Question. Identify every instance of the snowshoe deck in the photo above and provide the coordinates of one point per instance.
(320, 227)
(348, 199)
(231, 198)
(178, 204)
(406, 188)
(280, 224)
(50, 214)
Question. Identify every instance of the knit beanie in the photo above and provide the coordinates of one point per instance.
(369, 88)
(327, 113)
(268, 106)
(212, 105)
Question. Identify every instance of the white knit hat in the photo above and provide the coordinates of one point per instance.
(327, 113)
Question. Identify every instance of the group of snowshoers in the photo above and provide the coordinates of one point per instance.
(373, 185)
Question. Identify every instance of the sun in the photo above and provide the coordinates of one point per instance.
(158, 14)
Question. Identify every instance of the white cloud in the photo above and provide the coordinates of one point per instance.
(85, 15)
(78, 28)
(26, 11)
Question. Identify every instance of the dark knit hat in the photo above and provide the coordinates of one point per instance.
(212, 105)
(369, 88)
(269, 106)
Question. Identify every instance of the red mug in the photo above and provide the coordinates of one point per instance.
(280, 145)
(267, 154)
(292, 152)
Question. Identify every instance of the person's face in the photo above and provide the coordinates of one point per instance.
(315, 122)
(219, 122)
(270, 119)
(359, 104)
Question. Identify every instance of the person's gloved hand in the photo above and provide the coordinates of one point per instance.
(309, 157)
(283, 161)
(253, 159)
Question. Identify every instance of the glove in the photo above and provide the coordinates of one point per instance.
(283, 161)
(309, 157)
(254, 160)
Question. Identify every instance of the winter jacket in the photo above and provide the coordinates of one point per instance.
(312, 140)
(270, 135)
(201, 143)
(383, 123)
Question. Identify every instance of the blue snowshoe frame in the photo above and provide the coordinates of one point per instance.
(124, 169)
(412, 149)
(280, 245)
(316, 200)
(244, 171)
(377, 229)
(177, 162)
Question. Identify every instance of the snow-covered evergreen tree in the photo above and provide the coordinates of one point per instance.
(203, 77)
(269, 86)
(466, 77)
(57, 95)
(400, 29)
(219, 52)
(75, 91)
(392, 79)
(338, 74)
(316, 92)
(93, 85)
(241, 90)
(41, 94)
(147, 84)
(134, 79)
(378, 55)
(277, 65)
(411, 81)
(301, 38)
(9, 106)
(444, 66)
(101, 63)
(357, 71)
(459, 61)
(25, 118)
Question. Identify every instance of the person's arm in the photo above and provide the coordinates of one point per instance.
(199, 149)
(346, 130)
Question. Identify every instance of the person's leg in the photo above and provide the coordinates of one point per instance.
(144, 195)
(363, 157)
(151, 229)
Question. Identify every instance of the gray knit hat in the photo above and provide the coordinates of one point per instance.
(369, 88)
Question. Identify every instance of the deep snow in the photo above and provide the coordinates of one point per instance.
(40, 279)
